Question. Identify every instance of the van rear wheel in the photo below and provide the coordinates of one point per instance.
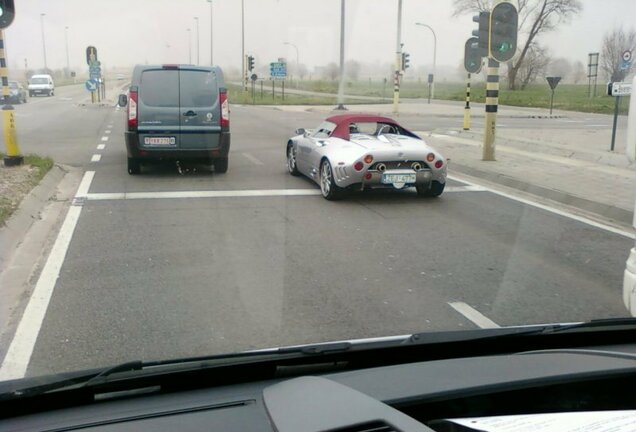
(134, 167)
(221, 164)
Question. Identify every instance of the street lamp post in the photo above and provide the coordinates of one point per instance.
(297, 60)
(244, 70)
(189, 46)
(342, 39)
(398, 60)
(68, 67)
(211, 36)
(434, 55)
(197, 21)
(43, 43)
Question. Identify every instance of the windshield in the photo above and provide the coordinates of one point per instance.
(215, 178)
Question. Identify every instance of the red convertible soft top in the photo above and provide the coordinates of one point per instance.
(342, 122)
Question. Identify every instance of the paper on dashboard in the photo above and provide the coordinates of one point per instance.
(594, 421)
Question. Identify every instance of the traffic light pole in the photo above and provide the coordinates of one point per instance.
(492, 101)
(13, 157)
(467, 107)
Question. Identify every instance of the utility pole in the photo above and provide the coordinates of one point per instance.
(434, 55)
(244, 69)
(43, 43)
(189, 46)
(68, 67)
(342, 56)
(211, 35)
(398, 60)
(198, 40)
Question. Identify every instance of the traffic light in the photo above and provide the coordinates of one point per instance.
(7, 13)
(503, 31)
(250, 63)
(406, 61)
(482, 33)
(472, 57)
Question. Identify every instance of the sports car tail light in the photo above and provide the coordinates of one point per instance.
(430, 157)
(132, 110)
(368, 159)
(368, 176)
(225, 109)
(358, 166)
(439, 164)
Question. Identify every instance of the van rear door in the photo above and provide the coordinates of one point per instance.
(158, 109)
(200, 116)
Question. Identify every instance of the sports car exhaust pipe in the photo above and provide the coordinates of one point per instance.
(381, 167)
(416, 166)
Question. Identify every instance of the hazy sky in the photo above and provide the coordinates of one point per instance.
(126, 32)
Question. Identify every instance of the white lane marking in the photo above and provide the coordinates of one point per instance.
(597, 125)
(103, 196)
(473, 315)
(252, 159)
(96, 158)
(101, 146)
(104, 138)
(201, 194)
(469, 188)
(16, 361)
(559, 212)
(107, 131)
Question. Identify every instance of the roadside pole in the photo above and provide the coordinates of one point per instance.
(283, 89)
(14, 156)
(467, 107)
(261, 89)
(273, 89)
(616, 104)
(492, 101)
(398, 61)
(630, 146)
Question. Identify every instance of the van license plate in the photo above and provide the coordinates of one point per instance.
(159, 140)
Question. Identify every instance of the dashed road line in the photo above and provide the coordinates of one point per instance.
(101, 146)
(473, 315)
(104, 138)
(107, 131)
(17, 359)
(253, 159)
(96, 157)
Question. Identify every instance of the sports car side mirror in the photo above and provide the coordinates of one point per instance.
(300, 131)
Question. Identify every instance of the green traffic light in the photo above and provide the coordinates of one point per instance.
(504, 47)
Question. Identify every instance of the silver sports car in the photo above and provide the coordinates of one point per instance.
(357, 151)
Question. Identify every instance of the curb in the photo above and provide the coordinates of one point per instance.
(12, 233)
(606, 211)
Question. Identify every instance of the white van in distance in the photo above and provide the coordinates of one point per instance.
(41, 84)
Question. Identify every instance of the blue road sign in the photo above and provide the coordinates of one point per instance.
(626, 60)
(91, 85)
(278, 70)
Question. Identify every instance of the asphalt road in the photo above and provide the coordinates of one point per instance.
(171, 276)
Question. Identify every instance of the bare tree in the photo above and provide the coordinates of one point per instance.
(560, 67)
(579, 72)
(537, 61)
(614, 44)
(535, 17)
(352, 68)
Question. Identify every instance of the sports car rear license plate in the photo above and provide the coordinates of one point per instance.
(159, 140)
(388, 178)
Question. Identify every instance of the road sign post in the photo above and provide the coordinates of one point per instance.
(592, 72)
(617, 90)
(552, 82)
(467, 107)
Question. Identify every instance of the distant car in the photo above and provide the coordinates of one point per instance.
(41, 84)
(177, 112)
(17, 93)
(357, 152)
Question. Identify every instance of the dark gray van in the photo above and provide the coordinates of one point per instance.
(177, 112)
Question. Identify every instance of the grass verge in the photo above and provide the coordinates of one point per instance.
(238, 96)
(17, 182)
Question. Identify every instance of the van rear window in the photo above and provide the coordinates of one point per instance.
(160, 88)
(198, 89)
(39, 81)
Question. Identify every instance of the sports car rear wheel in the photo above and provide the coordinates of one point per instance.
(330, 190)
(435, 190)
(291, 160)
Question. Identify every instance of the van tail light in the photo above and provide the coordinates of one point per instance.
(132, 110)
(225, 109)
